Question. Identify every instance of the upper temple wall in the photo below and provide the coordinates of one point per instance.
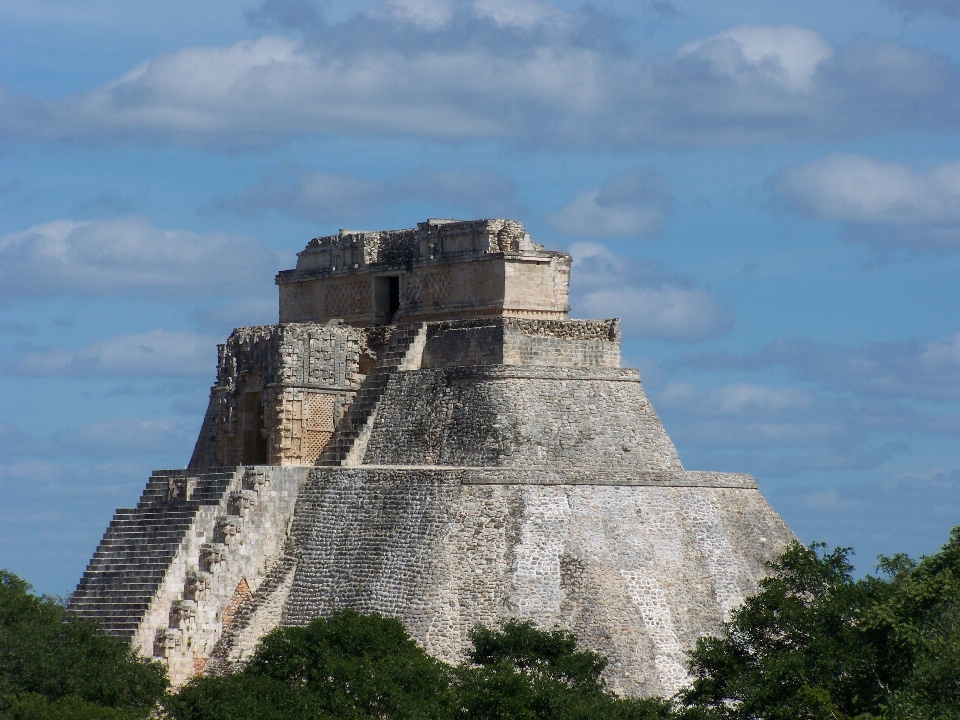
(440, 270)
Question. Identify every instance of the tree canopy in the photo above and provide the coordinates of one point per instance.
(54, 665)
(815, 643)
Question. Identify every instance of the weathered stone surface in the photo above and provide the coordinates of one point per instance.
(441, 269)
(164, 574)
(478, 456)
(595, 418)
(638, 573)
(514, 341)
(280, 392)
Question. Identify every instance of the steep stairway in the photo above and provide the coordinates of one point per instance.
(130, 564)
(349, 441)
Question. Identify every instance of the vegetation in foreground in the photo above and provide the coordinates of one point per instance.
(55, 666)
(812, 643)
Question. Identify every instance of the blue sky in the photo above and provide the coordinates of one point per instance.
(768, 194)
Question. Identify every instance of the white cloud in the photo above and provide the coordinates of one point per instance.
(125, 437)
(530, 74)
(128, 256)
(322, 197)
(913, 513)
(739, 399)
(750, 417)
(837, 409)
(428, 14)
(650, 303)
(779, 431)
(221, 319)
(784, 54)
(880, 203)
(634, 203)
(157, 353)
(524, 14)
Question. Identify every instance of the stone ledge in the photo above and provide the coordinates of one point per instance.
(470, 475)
(568, 329)
(534, 372)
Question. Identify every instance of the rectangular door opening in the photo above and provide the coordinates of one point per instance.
(394, 296)
(386, 297)
(254, 442)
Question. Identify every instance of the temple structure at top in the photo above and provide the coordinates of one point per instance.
(440, 270)
(361, 306)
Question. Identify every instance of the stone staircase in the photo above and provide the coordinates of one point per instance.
(171, 574)
(129, 567)
(349, 441)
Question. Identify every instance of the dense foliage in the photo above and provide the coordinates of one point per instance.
(366, 666)
(521, 672)
(349, 665)
(815, 643)
(53, 665)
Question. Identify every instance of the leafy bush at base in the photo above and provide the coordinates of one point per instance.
(36, 707)
(349, 665)
(814, 643)
(53, 663)
(367, 666)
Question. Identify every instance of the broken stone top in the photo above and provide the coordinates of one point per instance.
(440, 270)
(431, 240)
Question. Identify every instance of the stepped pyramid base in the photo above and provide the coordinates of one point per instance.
(636, 571)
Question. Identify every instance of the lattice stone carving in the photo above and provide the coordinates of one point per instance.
(432, 288)
(309, 417)
(348, 297)
(317, 427)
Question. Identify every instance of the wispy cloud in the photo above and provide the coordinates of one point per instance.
(912, 370)
(634, 203)
(837, 410)
(529, 74)
(911, 513)
(157, 353)
(879, 203)
(943, 8)
(127, 256)
(650, 302)
(321, 197)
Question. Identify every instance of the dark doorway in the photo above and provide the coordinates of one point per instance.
(394, 296)
(254, 442)
(386, 297)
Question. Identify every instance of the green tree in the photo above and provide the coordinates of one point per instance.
(348, 665)
(51, 662)
(815, 643)
(522, 673)
(921, 618)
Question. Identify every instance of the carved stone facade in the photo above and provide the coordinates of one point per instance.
(440, 269)
(280, 392)
(425, 434)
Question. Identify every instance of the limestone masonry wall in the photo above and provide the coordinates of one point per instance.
(520, 417)
(171, 588)
(441, 269)
(280, 392)
(638, 573)
(515, 341)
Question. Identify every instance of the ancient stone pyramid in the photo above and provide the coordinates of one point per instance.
(426, 435)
